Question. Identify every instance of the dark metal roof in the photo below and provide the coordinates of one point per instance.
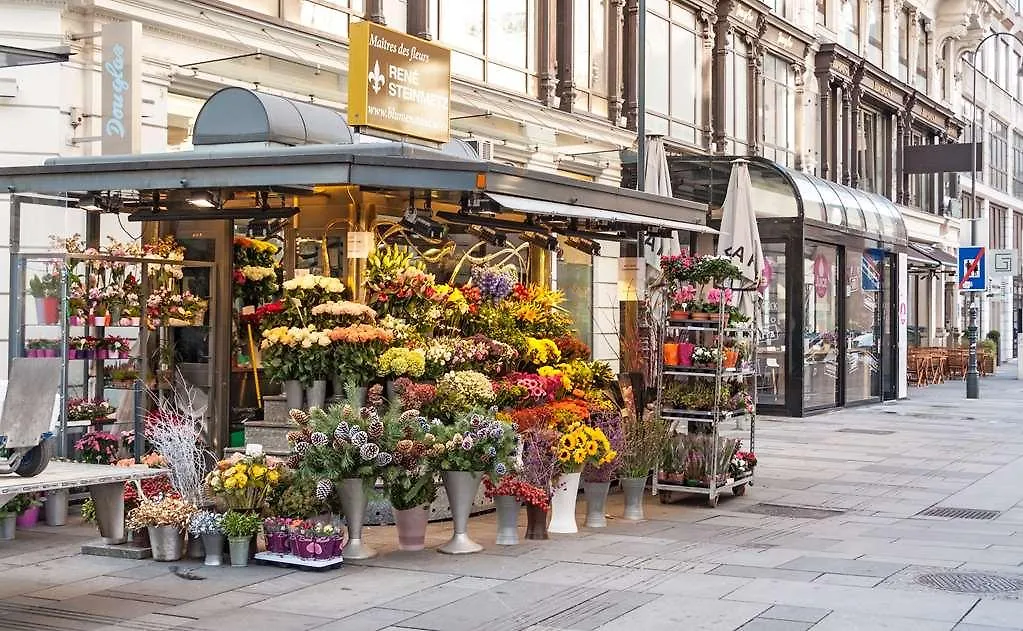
(236, 115)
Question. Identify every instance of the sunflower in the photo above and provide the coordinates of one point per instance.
(564, 455)
(591, 448)
(566, 442)
(580, 457)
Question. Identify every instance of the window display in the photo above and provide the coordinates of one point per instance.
(771, 352)
(820, 326)
(862, 317)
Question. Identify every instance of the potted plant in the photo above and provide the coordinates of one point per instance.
(596, 479)
(409, 480)
(644, 437)
(46, 290)
(539, 468)
(55, 507)
(123, 376)
(8, 522)
(243, 482)
(706, 357)
(240, 528)
(580, 445)
(26, 507)
(401, 362)
(166, 519)
(474, 445)
(208, 526)
(731, 353)
(681, 302)
(277, 531)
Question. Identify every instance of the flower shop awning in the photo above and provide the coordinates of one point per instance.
(378, 165)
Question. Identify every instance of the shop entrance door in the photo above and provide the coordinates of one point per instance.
(888, 350)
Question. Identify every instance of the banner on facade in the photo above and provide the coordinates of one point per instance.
(398, 83)
(122, 88)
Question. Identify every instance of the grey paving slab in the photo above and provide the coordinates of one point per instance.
(843, 566)
(941, 607)
(795, 614)
(764, 572)
(251, 619)
(769, 624)
(848, 579)
(698, 585)
(373, 619)
(865, 622)
(211, 605)
(997, 613)
(669, 614)
(81, 588)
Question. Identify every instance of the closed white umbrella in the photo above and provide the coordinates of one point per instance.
(657, 180)
(740, 237)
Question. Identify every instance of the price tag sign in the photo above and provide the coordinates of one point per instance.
(359, 245)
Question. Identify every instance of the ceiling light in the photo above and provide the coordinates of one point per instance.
(203, 200)
(542, 241)
(422, 226)
(584, 245)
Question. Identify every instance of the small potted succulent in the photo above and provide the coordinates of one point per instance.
(208, 526)
(239, 529)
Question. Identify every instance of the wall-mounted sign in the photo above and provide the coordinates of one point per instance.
(359, 245)
(122, 88)
(398, 83)
(821, 275)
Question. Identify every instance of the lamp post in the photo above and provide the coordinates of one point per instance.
(972, 374)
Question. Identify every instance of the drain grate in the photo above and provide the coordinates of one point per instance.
(781, 510)
(959, 513)
(970, 583)
(872, 432)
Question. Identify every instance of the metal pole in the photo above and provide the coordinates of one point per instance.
(641, 96)
(972, 376)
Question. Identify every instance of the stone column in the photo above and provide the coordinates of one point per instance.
(933, 74)
(890, 35)
(846, 132)
(375, 11)
(417, 19)
(545, 52)
(914, 44)
(827, 138)
(799, 117)
(720, 89)
(630, 65)
(566, 62)
(614, 61)
(708, 120)
(856, 124)
(900, 142)
(755, 63)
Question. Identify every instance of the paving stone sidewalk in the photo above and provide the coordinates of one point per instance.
(863, 557)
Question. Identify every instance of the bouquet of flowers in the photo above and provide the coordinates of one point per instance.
(243, 482)
(401, 362)
(538, 311)
(165, 511)
(254, 285)
(581, 445)
(460, 391)
(310, 290)
(98, 447)
(356, 351)
(495, 283)
(474, 442)
(206, 522)
(89, 410)
(397, 283)
(541, 352)
(521, 490)
(255, 252)
(342, 313)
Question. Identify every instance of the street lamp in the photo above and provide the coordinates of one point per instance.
(972, 374)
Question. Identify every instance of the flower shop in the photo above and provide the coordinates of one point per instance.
(398, 323)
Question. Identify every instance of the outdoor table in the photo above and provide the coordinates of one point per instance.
(105, 483)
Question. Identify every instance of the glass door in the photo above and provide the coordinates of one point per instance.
(887, 350)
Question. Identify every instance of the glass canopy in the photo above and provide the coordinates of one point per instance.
(779, 192)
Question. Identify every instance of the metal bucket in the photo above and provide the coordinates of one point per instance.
(167, 542)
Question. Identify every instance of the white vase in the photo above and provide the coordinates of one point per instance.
(563, 504)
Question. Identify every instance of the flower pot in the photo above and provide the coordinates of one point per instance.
(303, 547)
(699, 315)
(102, 353)
(40, 311)
(461, 487)
(195, 550)
(50, 352)
(56, 507)
(316, 395)
(507, 520)
(277, 542)
(7, 526)
(731, 358)
(633, 489)
(679, 315)
(139, 538)
(166, 542)
(324, 548)
(99, 320)
(536, 523)
(411, 525)
(239, 548)
(685, 353)
(213, 546)
(354, 500)
(76, 321)
(389, 390)
(51, 310)
(563, 504)
(294, 394)
(596, 500)
(671, 353)
(135, 321)
(29, 518)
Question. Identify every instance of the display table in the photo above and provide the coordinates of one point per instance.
(105, 483)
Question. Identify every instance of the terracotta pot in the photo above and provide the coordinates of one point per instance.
(731, 358)
(671, 353)
(536, 523)
(411, 525)
(679, 315)
(51, 307)
(700, 315)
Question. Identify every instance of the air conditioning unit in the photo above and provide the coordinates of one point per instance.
(483, 148)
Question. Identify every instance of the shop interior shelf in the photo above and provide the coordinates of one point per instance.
(704, 325)
(687, 371)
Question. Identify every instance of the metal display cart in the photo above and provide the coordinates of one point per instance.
(709, 433)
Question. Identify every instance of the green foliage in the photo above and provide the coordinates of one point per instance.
(994, 335)
(299, 500)
(45, 286)
(237, 524)
(474, 442)
(407, 489)
(89, 511)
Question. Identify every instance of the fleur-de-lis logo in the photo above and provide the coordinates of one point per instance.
(376, 78)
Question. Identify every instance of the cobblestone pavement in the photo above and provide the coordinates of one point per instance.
(866, 558)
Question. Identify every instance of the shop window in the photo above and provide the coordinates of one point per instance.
(905, 33)
(875, 30)
(998, 155)
(674, 93)
(736, 108)
(589, 57)
(1017, 165)
(822, 12)
(491, 41)
(923, 43)
(996, 226)
(923, 187)
(771, 354)
(820, 326)
(875, 152)
(849, 26)
(575, 280)
(329, 16)
(779, 110)
(862, 322)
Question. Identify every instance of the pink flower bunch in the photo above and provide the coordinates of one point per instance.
(718, 297)
(537, 387)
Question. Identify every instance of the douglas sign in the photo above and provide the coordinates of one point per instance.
(122, 83)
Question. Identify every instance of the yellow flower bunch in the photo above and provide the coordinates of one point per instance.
(582, 445)
(551, 371)
(277, 336)
(255, 244)
(452, 296)
(542, 352)
(244, 481)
